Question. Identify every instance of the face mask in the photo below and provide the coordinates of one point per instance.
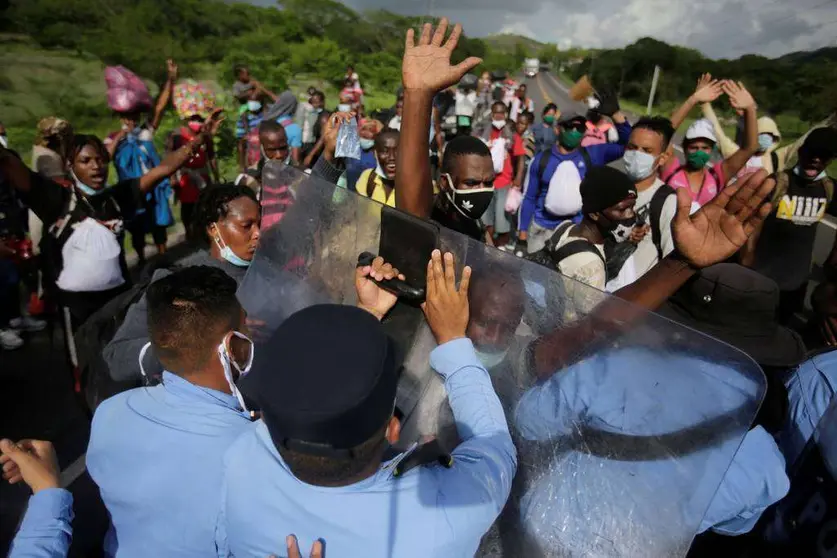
(84, 187)
(548, 120)
(697, 160)
(797, 170)
(146, 380)
(227, 253)
(638, 165)
(265, 158)
(318, 110)
(570, 139)
(254, 106)
(470, 203)
(499, 124)
(622, 232)
(228, 363)
(367, 144)
(490, 359)
(344, 108)
(765, 142)
(4, 141)
(380, 172)
(195, 126)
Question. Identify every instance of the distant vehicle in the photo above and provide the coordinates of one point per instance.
(531, 67)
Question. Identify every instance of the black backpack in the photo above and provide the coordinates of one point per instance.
(94, 335)
(550, 256)
(619, 252)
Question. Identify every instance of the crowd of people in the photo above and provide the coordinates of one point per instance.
(218, 445)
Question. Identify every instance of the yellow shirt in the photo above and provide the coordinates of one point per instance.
(378, 190)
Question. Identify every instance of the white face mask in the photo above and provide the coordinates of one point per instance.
(4, 141)
(227, 362)
(639, 165)
(287, 160)
(145, 379)
(499, 124)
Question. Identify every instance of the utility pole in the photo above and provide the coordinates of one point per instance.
(654, 81)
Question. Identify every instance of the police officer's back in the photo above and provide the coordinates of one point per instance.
(314, 465)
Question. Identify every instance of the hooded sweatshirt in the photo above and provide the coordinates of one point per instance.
(785, 156)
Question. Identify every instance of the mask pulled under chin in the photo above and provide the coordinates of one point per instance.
(4, 141)
(499, 124)
(470, 203)
(84, 187)
(490, 359)
(797, 170)
(228, 254)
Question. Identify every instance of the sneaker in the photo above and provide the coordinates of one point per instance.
(507, 247)
(27, 323)
(10, 340)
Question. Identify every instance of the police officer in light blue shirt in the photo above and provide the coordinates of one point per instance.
(155, 452)
(315, 465)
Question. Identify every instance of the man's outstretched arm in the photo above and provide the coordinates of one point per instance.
(426, 70)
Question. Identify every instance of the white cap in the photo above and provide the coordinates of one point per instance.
(701, 128)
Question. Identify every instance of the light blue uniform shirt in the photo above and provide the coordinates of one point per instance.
(811, 388)
(156, 454)
(599, 506)
(429, 511)
(45, 531)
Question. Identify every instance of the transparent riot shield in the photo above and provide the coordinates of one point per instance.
(804, 523)
(625, 423)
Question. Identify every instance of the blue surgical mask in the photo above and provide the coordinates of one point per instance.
(367, 144)
(344, 108)
(84, 187)
(765, 141)
(227, 253)
(254, 106)
(318, 110)
(638, 164)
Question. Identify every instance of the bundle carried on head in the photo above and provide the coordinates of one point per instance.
(126, 91)
(193, 99)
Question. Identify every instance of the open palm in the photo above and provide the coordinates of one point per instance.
(427, 66)
(721, 227)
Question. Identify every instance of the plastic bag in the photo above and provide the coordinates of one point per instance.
(126, 91)
(513, 200)
(348, 141)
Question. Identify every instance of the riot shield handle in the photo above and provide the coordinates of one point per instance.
(399, 288)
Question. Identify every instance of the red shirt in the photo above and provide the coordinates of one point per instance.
(505, 178)
(187, 189)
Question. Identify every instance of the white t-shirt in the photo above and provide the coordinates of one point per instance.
(517, 107)
(585, 267)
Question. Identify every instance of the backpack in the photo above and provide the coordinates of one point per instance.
(133, 158)
(550, 256)
(94, 335)
(546, 156)
(619, 252)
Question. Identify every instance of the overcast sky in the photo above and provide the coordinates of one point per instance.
(718, 28)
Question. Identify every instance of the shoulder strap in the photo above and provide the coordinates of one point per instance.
(574, 247)
(544, 162)
(828, 184)
(586, 156)
(782, 185)
(774, 158)
(555, 238)
(655, 211)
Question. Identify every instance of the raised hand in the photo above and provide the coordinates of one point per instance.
(370, 296)
(720, 228)
(213, 123)
(331, 129)
(426, 66)
(31, 461)
(446, 308)
(739, 97)
(293, 548)
(707, 89)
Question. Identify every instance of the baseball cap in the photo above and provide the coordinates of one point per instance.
(604, 187)
(325, 381)
(569, 117)
(701, 128)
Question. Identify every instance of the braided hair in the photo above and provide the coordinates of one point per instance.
(213, 205)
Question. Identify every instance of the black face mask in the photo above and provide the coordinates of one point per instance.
(470, 203)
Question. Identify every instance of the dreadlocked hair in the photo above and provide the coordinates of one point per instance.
(213, 206)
